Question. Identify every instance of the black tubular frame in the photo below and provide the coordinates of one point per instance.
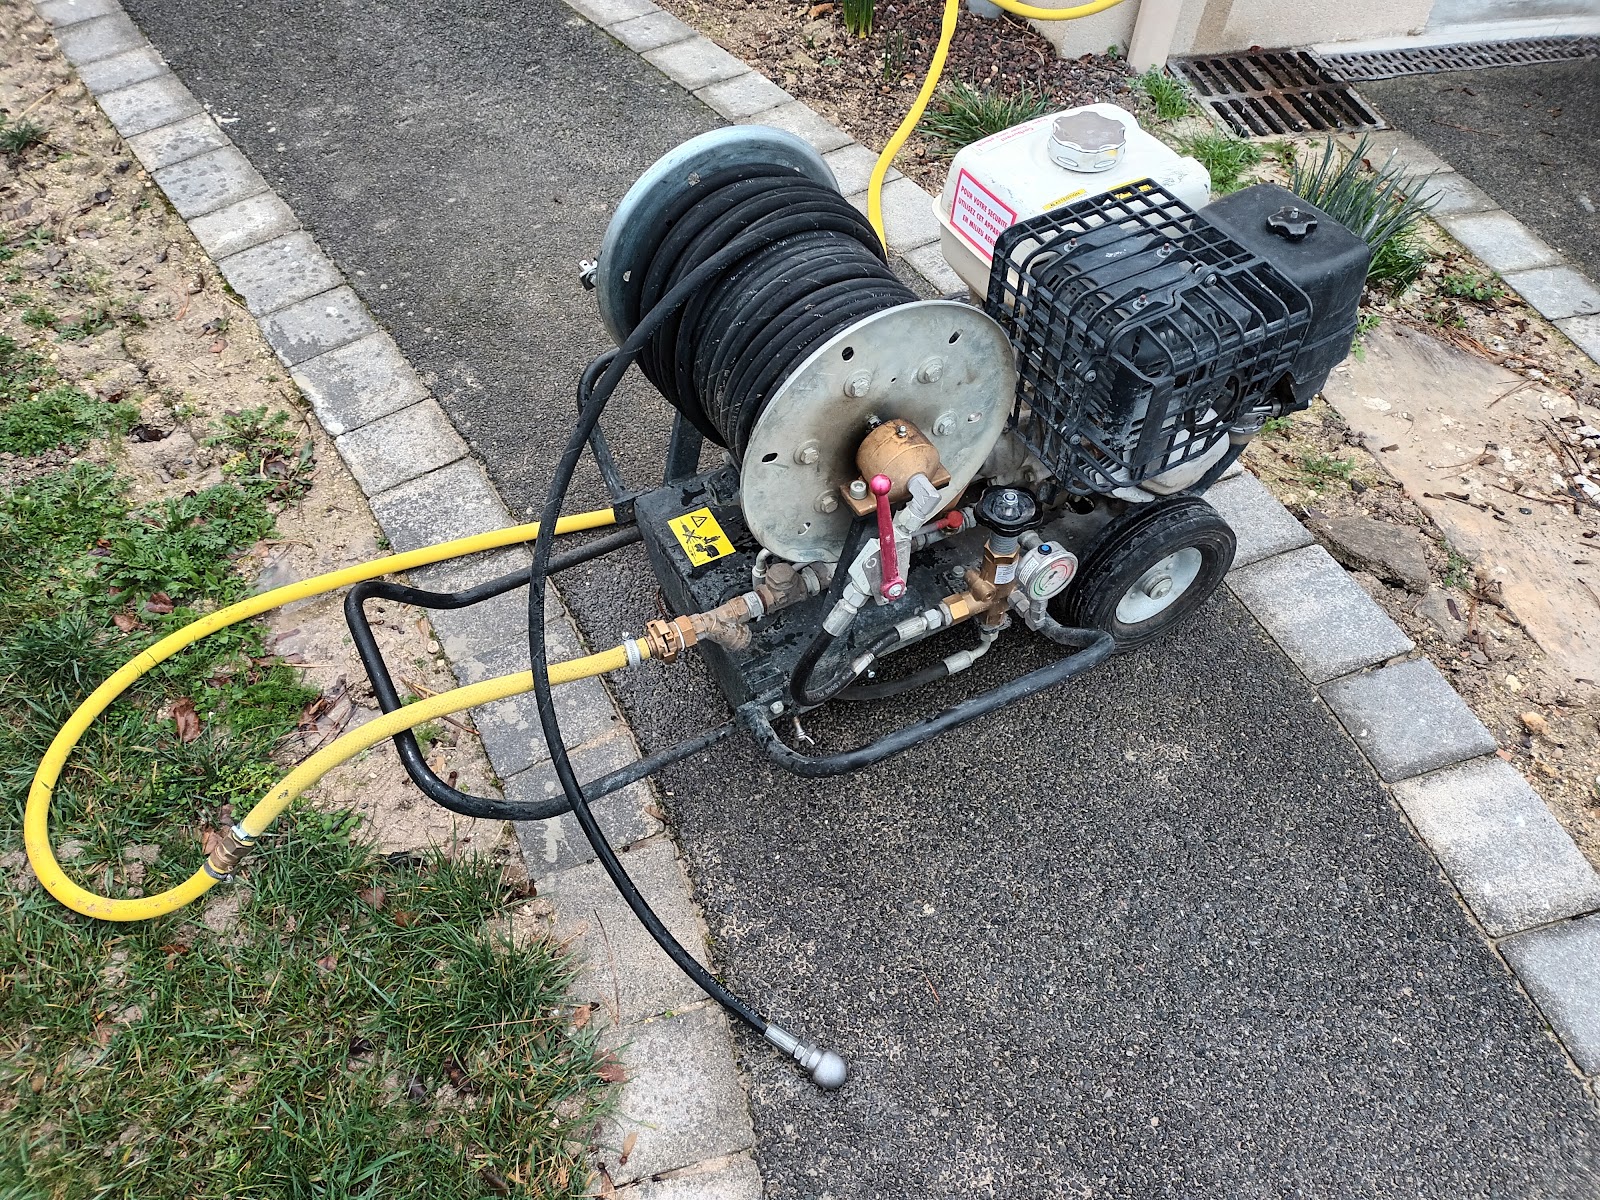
(598, 382)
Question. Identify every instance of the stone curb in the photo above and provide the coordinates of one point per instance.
(1528, 265)
(1405, 717)
(683, 1097)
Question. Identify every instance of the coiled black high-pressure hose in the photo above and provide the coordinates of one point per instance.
(753, 270)
(720, 355)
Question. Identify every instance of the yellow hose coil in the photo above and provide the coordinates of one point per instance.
(36, 819)
(947, 31)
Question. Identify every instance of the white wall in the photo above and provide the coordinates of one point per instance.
(1213, 26)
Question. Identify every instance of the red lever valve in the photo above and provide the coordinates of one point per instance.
(892, 587)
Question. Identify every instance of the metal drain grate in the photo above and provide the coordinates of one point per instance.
(1275, 91)
(1427, 60)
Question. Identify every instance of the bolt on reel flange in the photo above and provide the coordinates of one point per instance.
(944, 368)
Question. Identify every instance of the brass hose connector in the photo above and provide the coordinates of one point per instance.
(232, 844)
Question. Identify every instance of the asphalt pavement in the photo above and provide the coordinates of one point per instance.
(1159, 934)
(1529, 136)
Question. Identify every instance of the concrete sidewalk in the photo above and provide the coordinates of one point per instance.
(1161, 934)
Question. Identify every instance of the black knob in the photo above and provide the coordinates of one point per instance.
(1292, 222)
(1008, 511)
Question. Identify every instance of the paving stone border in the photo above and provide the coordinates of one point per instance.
(684, 1096)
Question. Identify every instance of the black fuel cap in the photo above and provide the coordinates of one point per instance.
(1008, 510)
(1292, 222)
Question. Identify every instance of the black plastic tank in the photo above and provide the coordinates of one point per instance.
(1315, 252)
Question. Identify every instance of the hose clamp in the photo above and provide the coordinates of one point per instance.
(232, 846)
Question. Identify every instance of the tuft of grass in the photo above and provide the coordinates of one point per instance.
(60, 416)
(1319, 470)
(39, 317)
(1276, 425)
(858, 16)
(269, 459)
(1168, 96)
(1365, 324)
(1379, 205)
(1226, 157)
(95, 319)
(38, 412)
(1458, 569)
(961, 114)
(18, 137)
(1467, 285)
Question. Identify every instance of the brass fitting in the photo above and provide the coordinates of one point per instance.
(996, 581)
(229, 850)
(898, 450)
(729, 623)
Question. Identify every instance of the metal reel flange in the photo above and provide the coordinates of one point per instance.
(635, 227)
(946, 367)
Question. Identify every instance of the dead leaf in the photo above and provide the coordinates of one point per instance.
(159, 602)
(404, 918)
(459, 1079)
(1535, 723)
(218, 346)
(186, 719)
(125, 621)
(326, 962)
(611, 1071)
(628, 1143)
(581, 1015)
(372, 897)
(820, 10)
(494, 1181)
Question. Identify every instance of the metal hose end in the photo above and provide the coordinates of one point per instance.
(828, 1070)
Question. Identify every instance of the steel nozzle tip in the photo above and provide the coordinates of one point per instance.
(830, 1072)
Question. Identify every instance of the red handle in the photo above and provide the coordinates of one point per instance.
(893, 587)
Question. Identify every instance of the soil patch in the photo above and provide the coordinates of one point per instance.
(865, 85)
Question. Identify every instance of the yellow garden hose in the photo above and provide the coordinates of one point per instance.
(36, 820)
(947, 31)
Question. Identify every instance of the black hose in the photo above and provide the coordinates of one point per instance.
(705, 272)
(405, 742)
(801, 689)
(722, 353)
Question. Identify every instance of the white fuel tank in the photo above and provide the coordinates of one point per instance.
(1019, 173)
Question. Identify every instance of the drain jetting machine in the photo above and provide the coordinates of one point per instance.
(894, 470)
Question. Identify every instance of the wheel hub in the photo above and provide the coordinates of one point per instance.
(1159, 586)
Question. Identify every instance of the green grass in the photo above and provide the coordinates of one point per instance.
(961, 114)
(305, 1050)
(1227, 158)
(1319, 470)
(19, 136)
(1376, 203)
(1168, 96)
(1458, 570)
(858, 16)
(38, 412)
(1468, 285)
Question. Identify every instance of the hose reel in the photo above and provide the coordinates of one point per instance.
(793, 356)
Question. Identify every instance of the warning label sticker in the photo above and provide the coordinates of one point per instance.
(701, 537)
(978, 215)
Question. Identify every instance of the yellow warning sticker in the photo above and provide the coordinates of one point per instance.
(701, 537)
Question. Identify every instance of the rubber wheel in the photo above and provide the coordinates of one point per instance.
(1148, 571)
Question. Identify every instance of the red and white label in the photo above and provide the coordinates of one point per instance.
(978, 215)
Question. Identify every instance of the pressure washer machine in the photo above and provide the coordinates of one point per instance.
(895, 470)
